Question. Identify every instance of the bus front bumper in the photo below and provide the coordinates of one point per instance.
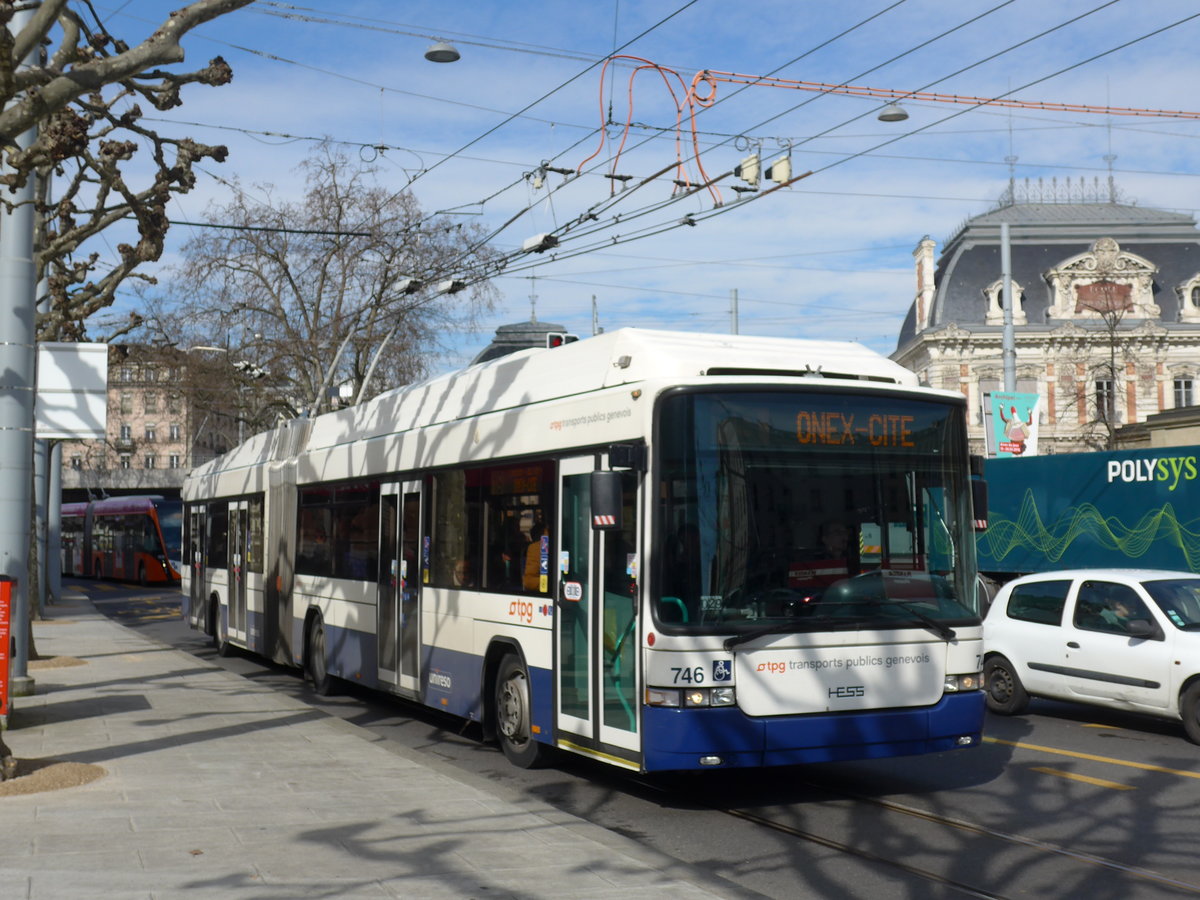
(676, 739)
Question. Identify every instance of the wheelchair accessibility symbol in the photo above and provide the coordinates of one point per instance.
(722, 670)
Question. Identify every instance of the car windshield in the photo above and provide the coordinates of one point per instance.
(1179, 599)
(805, 510)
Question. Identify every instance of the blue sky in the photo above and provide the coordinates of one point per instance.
(829, 257)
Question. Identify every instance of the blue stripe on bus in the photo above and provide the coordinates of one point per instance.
(677, 738)
(451, 680)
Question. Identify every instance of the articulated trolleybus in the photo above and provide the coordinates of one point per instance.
(664, 551)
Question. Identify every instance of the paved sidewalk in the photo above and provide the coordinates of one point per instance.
(219, 787)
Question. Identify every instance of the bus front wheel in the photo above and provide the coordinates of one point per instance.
(317, 663)
(513, 720)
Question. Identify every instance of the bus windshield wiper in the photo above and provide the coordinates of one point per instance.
(793, 625)
(945, 632)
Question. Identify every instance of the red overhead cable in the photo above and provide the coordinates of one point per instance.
(711, 76)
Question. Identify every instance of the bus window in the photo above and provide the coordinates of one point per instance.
(338, 530)
(484, 521)
(218, 535)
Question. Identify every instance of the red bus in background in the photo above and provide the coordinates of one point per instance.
(129, 538)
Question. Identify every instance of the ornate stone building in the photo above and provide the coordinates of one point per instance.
(1106, 313)
(159, 426)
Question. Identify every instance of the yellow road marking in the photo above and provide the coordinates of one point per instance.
(1074, 754)
(1086, 779)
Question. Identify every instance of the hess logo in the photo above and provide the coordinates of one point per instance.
(522, 610)
(848, 690)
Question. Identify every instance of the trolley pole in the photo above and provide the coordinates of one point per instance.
(17, 361)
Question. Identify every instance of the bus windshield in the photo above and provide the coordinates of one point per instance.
(170, 520)
(782, 510)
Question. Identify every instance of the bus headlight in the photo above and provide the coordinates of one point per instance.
(691, 697)
(663, 697)
(969, 682)
(724, 697)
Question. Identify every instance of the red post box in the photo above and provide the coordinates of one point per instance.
(6, 586)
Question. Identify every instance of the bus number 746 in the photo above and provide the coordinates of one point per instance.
(688, 675)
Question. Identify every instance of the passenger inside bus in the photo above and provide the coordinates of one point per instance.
(533, 557)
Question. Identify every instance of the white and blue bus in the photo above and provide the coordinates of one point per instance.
(665, 551)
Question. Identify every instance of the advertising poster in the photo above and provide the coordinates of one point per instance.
(1013, 428)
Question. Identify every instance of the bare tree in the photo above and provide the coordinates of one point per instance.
(1108, 374)
(80, 88)
(84, 97)
(315, 291)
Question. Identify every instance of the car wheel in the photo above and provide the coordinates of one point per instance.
(1189, 709)
(513, 725)
(1005, 693)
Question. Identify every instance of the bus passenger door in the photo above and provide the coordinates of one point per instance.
(197, 611)
(595, 620)
(397, 623)
(239, 531)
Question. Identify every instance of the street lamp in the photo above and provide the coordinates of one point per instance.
(441, 52)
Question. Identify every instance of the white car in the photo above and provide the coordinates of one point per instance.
(1123, 638)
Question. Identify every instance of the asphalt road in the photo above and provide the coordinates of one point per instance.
(1066, 801)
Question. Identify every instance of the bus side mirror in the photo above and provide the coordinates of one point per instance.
(606, 501)
(979, 494)
(979, 503)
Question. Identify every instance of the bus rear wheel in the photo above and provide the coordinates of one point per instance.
(513, 716)
(224, 648)
(317, 661)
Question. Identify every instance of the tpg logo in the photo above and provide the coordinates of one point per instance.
(1172, 469)
(522, 610)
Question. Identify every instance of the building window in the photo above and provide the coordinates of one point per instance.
(76, 463)
(1183, 392)
(174, 460)
(1106, 400)
(174, 432)
(126, 402)
(126, 462)
(151, 403)
(172, 403)
(150, 461)
(127, 373)
(127, 432)
(151, 432)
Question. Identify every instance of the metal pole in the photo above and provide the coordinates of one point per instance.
(733, 312)
(1006, 299)
(17, 298)
(54, 522)
(41, 484)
